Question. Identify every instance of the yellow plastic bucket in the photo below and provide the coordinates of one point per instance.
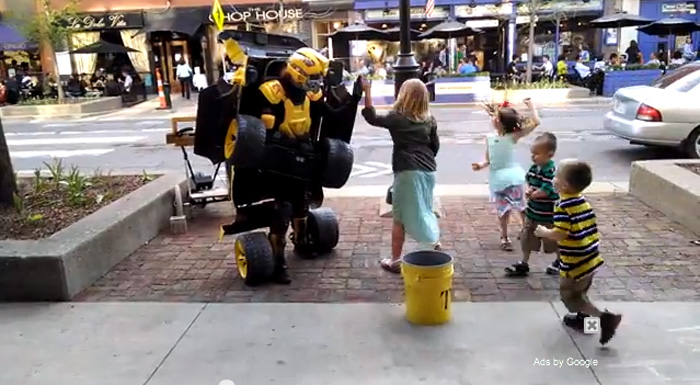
(427, 278)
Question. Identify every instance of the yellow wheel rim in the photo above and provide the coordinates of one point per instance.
(230, 141)
(241, 260)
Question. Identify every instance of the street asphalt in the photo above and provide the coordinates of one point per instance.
(345, 344)
(136, 143)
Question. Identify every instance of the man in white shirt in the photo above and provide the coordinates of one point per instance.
(583, 70)
(547, 67)
(128, 82)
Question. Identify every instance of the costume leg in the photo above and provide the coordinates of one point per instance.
(278, 241)
(300, 212)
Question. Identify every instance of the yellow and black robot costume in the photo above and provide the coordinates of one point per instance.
(291, 108)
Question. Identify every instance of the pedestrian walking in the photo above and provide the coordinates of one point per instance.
(541, 198)
(506, 176)
(184, 74)
(576, 232)
(414, 135)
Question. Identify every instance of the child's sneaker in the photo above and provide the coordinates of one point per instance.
(520, 269)
(608, 325)
(575, 321)
(553, 268)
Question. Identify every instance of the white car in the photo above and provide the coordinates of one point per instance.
(666, 113)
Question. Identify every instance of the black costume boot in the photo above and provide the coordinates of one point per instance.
(280, 274)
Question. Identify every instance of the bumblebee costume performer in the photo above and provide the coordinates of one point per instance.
(291, 109)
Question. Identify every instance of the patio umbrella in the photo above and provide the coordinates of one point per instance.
(449, 30)
(620, 20)
(670, 26)
(360, 31)
(103, 47)
(12, 40)
(394, 34)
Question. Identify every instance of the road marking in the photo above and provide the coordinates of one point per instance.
(119, 131)
(384, 169)
(60, 153)
(84, 140)
(55, 125)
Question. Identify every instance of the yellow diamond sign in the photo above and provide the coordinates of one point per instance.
(217, 14)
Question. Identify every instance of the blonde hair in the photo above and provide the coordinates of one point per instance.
(413, 100)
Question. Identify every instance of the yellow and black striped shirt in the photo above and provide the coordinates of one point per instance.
(579, 251)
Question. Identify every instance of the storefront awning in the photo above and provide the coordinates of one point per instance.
(382, 4)
(12, 40)
(174, 20)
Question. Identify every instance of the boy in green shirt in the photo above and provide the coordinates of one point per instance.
(541, 198)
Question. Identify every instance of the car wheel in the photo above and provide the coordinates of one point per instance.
(339, 160)
(692, 146)
(249, 146)
(254, 258)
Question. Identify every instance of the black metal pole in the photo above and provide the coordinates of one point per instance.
(406, 66)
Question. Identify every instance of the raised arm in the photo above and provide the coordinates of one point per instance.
(529, 124)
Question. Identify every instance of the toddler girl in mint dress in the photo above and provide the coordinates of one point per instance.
(506, 176)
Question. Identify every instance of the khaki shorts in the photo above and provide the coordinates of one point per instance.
(574, 293)
(530, 242)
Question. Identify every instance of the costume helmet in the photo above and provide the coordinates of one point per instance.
(307, 67)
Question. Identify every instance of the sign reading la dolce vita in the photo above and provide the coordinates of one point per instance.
(393, 14)
(262, 15)
(106, 21)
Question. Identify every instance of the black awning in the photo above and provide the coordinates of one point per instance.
(182, 21)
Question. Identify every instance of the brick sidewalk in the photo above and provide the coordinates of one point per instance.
(648, 258)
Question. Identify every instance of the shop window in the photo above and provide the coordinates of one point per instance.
(324, 29)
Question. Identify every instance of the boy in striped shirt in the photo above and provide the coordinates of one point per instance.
(576, 232)
(541, 198)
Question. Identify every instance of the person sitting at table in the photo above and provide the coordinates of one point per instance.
(512, 70)
(111, 86)
(653, 60)
(466, 67)
(677, 59)
(75, 88)
(583, 70)
(562, 68)
(614, 60)
(547, 68)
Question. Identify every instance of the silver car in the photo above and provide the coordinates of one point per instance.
(667, 113)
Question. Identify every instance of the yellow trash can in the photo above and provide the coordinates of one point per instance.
(427, 277)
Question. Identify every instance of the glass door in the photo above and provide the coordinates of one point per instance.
(176, 50)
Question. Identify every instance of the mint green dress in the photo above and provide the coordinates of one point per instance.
(506, 176)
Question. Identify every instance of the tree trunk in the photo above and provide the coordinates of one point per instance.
(8, 184)
(59, 85)
(530, 47)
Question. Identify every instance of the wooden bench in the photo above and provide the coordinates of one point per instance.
(185, 140)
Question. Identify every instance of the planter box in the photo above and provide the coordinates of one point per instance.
(548, 96)
(59, 267)
(101, 105)
(447, 90)
(614, 80)
(654, 181)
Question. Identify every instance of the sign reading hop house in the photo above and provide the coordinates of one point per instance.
(262, 15)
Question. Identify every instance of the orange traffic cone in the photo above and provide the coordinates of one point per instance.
(164, 105)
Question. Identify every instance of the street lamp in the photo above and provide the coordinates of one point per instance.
(406, 66)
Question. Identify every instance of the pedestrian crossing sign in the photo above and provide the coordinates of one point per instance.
(217, 14)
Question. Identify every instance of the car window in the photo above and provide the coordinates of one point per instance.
(672, 77)
(685, 83)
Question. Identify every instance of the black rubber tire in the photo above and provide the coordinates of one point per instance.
(339, 160)
(258, 254)
(690, 148)
(323, 229)
(250, 144)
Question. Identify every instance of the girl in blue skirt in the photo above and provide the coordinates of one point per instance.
(414, 134)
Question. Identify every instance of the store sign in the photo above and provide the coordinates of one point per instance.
(393, 14)
(688, 8)
(479, 24)
(490, 10)
(262, 15)
(563, 6)
(107, 21)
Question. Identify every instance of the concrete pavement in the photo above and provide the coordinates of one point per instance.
(124, 145)
(314, 344)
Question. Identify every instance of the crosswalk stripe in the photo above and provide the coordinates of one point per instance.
(93, 132)
(79, 140)
(60, 153)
